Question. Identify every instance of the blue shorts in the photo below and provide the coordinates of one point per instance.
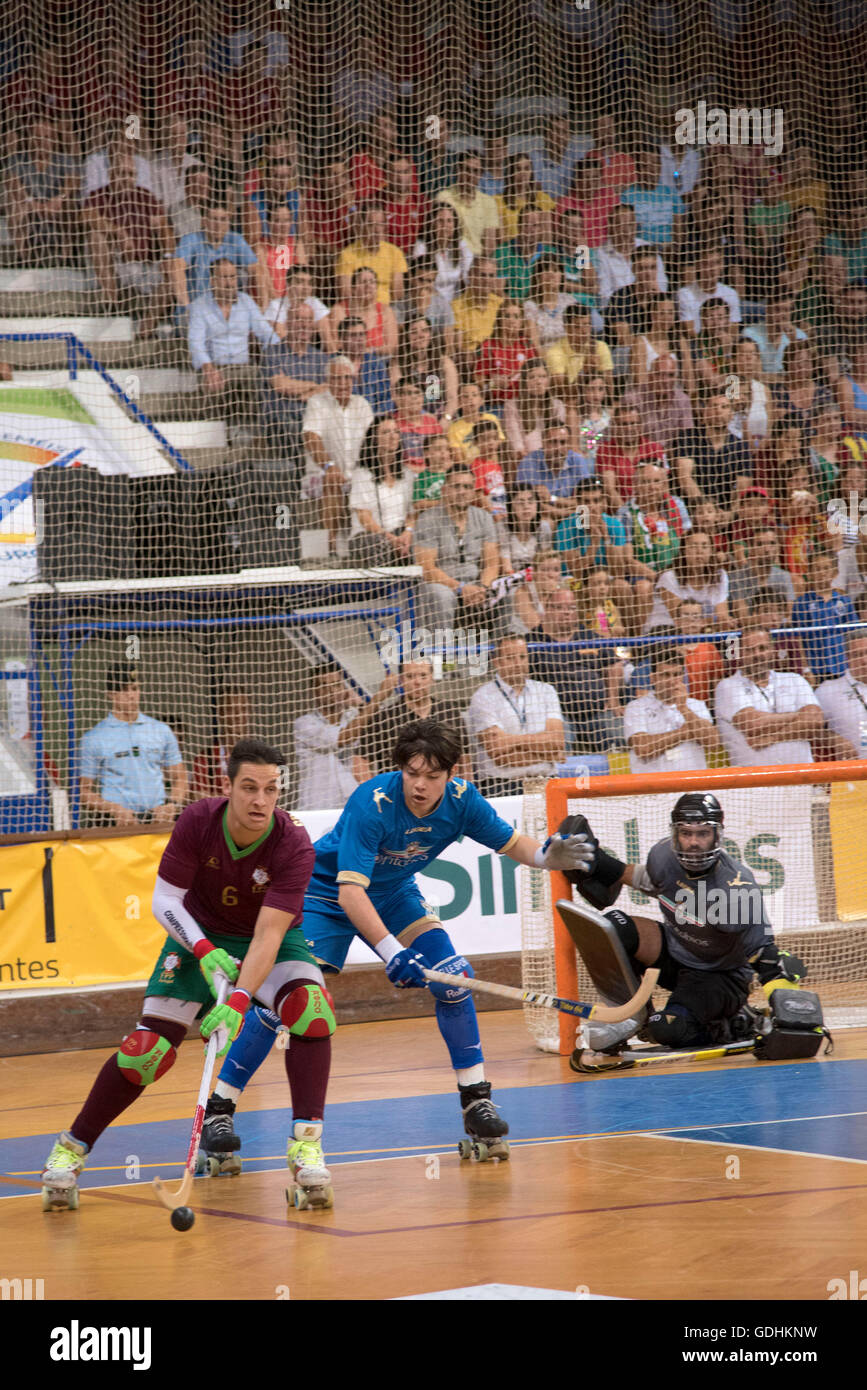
(329, 932)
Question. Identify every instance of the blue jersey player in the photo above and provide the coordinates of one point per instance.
(363, 884)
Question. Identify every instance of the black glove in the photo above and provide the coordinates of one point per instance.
(603, 872)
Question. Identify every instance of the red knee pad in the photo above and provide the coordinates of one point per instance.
(308, 1012)
(144, 1057)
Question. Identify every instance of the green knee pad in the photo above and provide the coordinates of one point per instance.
(145, 1057)
(308, 1012)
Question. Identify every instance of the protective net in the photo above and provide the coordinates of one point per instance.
(803, 843)
(235, 235)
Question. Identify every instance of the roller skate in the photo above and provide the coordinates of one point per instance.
(311, 1185)
(60, 1174)
(483, 1123)
(218, 1155)
(603, 1047)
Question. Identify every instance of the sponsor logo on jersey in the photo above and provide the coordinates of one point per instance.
(399, 857)
(459, 786)
(261, 875)
(380, 796)
(418, 829)
(212, 863)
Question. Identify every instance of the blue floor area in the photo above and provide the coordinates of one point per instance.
(771, 1106)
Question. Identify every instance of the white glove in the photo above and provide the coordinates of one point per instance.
(567, 852)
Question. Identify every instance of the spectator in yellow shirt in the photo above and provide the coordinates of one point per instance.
(520, 190)
(477, 212)
(386, 260)
(460, 431)
(567, 359)
(475, 310)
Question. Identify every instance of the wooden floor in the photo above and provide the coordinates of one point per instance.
(737, 1180)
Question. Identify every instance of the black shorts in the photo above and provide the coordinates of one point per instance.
(707, 994)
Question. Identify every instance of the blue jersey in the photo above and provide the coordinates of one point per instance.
(379, 844)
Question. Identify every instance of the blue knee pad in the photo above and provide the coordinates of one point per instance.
(455, 1011)
(675, 1026)
(250, 1048)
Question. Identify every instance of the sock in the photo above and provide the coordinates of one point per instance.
(227, 1092)
(460, 1032)
(470, 1076)
(111, 1093)
(308, 1064)
(249, 1050)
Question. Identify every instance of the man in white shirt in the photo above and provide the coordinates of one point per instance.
(333, 429)
(844, 701)
(328, 769)
(668, 731)
(766, 717)
(706, 285)
(516, 724)
(612, 261)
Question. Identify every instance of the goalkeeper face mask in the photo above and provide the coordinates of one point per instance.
(697, 845)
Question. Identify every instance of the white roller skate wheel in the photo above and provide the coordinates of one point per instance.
(47, 1203)
(301, 1202)
(213, 1166)
(480, 1151)
(72, 1199)
(201, 1163)
(465, 1148)
(231, 1168)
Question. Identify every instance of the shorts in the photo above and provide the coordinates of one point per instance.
(330, 933)
(178, 975)
(709, 995)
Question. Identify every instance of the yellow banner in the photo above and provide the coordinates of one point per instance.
(847, 816)
(104, 930)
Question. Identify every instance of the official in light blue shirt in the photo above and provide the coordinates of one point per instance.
(123, 759)
(199, 250)
(221, 322)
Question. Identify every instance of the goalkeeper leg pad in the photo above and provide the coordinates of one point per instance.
(145, 1056)
(797, 1026)
(605, 945)
(308, 1011)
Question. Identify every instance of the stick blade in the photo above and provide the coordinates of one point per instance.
(172, 1200)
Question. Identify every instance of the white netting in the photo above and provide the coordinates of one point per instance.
(802, 842)
(164, 158)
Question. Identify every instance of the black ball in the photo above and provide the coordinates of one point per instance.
(183, 1218)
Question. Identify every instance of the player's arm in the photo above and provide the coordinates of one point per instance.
(272, 925)
(403, 966)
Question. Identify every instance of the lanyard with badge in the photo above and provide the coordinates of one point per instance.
(520, 710)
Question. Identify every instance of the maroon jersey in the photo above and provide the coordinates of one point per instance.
(226, 886)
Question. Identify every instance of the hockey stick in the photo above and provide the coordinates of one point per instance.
(181, 1197)
(706, 1054)
(605, 1013)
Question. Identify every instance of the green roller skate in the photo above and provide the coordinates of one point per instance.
(311, 1185)
(60, 1174)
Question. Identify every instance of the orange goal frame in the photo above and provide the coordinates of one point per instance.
(560, 789)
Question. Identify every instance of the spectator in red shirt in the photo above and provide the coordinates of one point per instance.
(501, 357)
(593, 199)
(331, 210)
(250, 101)
(618, 168)
(129, 235)
(190, 90)
(279, 251)
(413, 421)
(234, 721)
(620, 451)
(362, 303)
(487, 468)
(405, 208)
(752, 515)
(368, 167)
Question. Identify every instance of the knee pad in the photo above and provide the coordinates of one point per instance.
(674, 1027)
(308, 1012)
(625, 928)
(439, 954)
(144, 1057)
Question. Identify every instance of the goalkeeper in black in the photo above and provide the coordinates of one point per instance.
(714, 937)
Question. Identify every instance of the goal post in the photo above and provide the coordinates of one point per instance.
(798, 827)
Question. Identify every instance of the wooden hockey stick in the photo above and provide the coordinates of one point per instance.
(181, 1197)
(604, 1013)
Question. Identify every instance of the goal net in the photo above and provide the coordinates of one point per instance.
(800, 831)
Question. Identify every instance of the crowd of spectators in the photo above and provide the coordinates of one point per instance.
(597, 385)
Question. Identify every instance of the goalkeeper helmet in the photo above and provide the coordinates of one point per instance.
(699, 809)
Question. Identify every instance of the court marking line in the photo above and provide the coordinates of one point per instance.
(757, 1148)
(413, 1150)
